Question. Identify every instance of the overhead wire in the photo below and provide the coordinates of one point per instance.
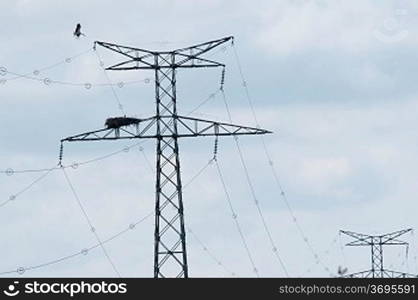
(210, 253)
(326, 254)
(141, 149)
(34, 76)
(84, 251)
(234, 216)
(87, 218)
(75, 165)
(273, 169)
(47, 171)
(253, 194)
(115, 95)
(209, 98)
(26, 188)
(36, 72)
(87, 85)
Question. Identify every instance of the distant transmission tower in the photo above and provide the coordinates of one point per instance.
(376, 243)
(170, 259)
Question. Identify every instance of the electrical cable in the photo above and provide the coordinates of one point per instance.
(273, 169)
(36, 72)
(84, 251)
(209, 252)
(87, 85)
(235, 218)
(92, 228)
(253, 194)
(14, 196)
(120, 106)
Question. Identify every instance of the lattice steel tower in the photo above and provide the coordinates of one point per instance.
(170, 256)
(376, 243)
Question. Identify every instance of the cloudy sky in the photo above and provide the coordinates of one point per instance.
(334, 81)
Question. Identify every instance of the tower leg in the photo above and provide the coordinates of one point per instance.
(377, 258)
(170, 258)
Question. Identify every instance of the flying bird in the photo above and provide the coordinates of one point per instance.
(342, 271)
(77, 31)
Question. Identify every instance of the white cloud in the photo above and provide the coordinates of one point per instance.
(289, 27)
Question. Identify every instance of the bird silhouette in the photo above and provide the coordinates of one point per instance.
(342, 271)
(77, 31)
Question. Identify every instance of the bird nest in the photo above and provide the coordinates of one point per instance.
(120, 121)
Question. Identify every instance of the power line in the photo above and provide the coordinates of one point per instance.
(20, 192)
(326, 254)
(209, 98)
(36, 72)
(198, 173)
(209, 253)
(120, 106)
(84, 251)
(141, 149)
(92, 228)
(47, 171)
(87, 85)
(273, 169)
(234, 216)
(75, 165)
(48, 81)
(253, 194)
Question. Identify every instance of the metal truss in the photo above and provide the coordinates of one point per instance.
(186, 127)
(376, 243)
(166, 127)
(189, 57)
(386, 274)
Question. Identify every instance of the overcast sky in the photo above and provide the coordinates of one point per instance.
(334, 80)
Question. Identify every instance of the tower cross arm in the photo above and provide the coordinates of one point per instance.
(189, 55)
(186, 127)
(390, 238)
(360, 239)
(125, 50)
(387, 273)
(189, 126)
(386, 239)
(137, 128)
(142, 59)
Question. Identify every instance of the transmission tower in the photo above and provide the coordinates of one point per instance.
(166, 126)
(376, 243)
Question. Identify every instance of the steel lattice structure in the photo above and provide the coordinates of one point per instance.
(170, 256)
(376, 243)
